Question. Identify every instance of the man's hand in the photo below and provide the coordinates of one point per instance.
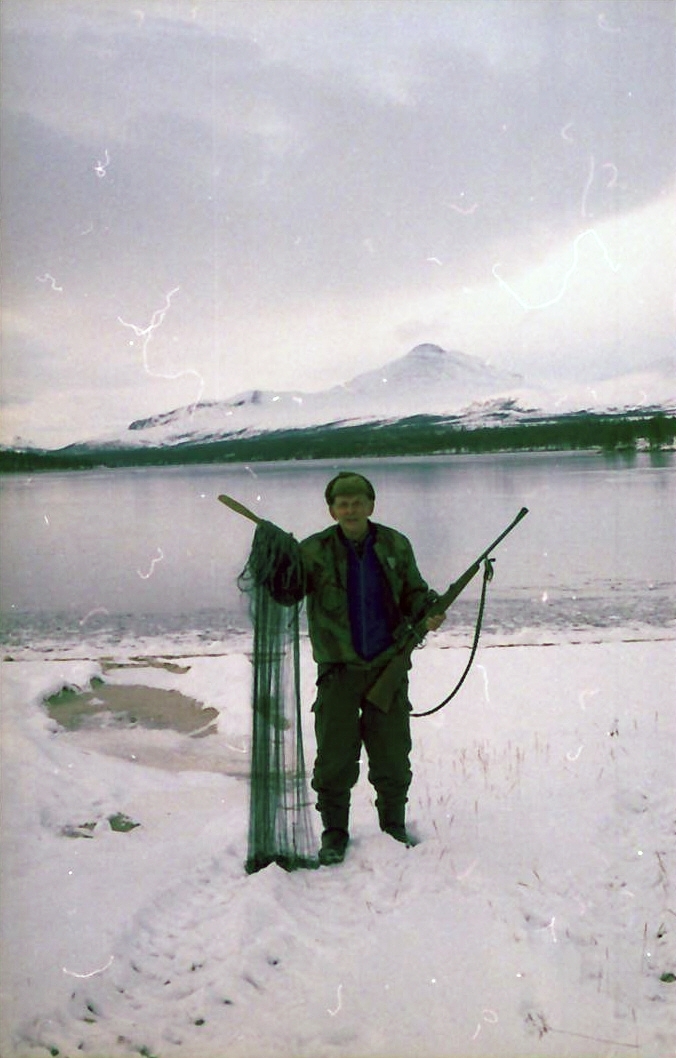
(434, 621)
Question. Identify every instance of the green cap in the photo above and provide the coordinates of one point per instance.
(347, 483)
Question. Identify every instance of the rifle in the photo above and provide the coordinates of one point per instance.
(383, 690)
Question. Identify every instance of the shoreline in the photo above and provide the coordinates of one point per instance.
(166, 649)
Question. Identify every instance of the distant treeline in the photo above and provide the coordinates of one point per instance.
(418, 435)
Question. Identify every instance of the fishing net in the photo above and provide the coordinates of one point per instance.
(280, 815)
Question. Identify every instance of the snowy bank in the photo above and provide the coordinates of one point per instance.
(536, 916)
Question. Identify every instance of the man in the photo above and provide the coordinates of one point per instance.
(362, 585)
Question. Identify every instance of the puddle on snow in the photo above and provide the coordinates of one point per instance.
(109, 705)
(148, 726)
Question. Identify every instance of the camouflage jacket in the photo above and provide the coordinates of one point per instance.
(324, 558)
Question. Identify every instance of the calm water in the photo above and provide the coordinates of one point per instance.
(152, 551)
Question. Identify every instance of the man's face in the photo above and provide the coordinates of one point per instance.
(352, 512)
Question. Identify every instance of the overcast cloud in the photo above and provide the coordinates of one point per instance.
(311, 187)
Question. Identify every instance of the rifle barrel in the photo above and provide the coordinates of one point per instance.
(522, 514)
(459, 585)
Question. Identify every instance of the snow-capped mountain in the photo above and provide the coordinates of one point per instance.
(428, 380)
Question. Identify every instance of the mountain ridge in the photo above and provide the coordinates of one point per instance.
(428, 380)
(426, 387)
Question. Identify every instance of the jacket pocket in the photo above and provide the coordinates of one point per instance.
(331, 600)
(326, 673)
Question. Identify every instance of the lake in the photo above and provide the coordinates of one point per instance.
(151, 551)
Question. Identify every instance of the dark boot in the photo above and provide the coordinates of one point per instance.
(335, 835)
(334, 844)
(398, 832)
(392, 822)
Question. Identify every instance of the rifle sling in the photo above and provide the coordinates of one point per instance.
(488, 573)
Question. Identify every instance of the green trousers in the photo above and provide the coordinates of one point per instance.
(344, 722)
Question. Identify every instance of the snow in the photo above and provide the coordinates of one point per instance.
(536, 916)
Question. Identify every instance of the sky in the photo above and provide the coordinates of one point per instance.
(203, 198)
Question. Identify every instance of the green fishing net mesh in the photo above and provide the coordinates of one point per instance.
(280, 808)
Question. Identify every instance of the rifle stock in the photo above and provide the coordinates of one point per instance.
(384, 688)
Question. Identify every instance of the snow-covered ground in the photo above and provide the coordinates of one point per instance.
(537, 915)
